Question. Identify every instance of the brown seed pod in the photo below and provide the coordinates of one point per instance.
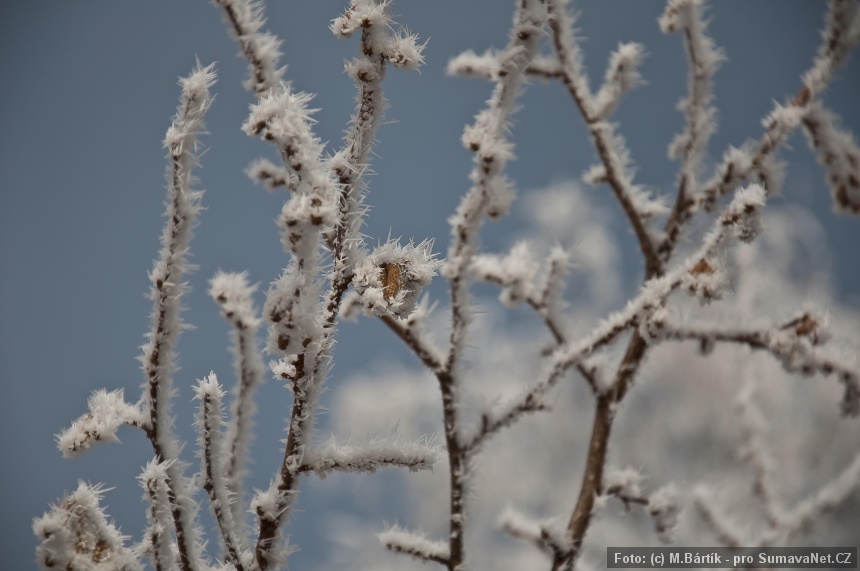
(702, 267)
(806, 326)
(390, 280)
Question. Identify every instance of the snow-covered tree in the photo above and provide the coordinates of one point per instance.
(539, 428)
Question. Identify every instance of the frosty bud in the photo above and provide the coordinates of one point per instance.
(391, 278)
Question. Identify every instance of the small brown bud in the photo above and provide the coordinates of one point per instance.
(390, 280)
(702, 267)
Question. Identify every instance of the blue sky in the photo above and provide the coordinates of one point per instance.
(88, 92)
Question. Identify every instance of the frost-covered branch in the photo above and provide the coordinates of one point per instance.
(292, 302)
(703, 58)
(388, 283)
(621, 76)
(399, 540)
(261, 49)
(741, 221)
(758, 161)
(615, 166)
(495, 419)
(490, 195)
(515, 274)
(331, 272)
(839, 154)
(710, 509)
(696, 275)
(755, 453)
(562, 25)
(107, 412)
(547, 535)
(326, 208)
(234, 295)
(794, 343)
(210, 424)
(168, 287)
(412, 332)
(270, 175)
(662, 505)
(157, 542)
(337, 456)
(826, 498)
(486, 66)
(839, 37)
(551, 536)
(379, 45)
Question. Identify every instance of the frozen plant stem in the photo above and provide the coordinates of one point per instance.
(326, 208)
(657, 249)
(608, 145)
(487, 139)
(215, 480)
(758, 164)
(234, 295)
(168, 287)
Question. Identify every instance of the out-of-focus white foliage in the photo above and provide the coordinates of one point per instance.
(680, 428)
(547, 535)
(664, 508)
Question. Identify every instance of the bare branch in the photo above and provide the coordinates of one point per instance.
(793, 343)
(107, 412)
(399, 540)
(261, 49)
(234, 295)
(712, 514)
(167, 289)
(740, 165)
(635, 202)
(211, 450)
(839, 154)
(490, 196)
(335, 456)
(544, 534)
(700, 116)
(271, 176)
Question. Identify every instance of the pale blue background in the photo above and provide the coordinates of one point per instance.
(87, 92)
